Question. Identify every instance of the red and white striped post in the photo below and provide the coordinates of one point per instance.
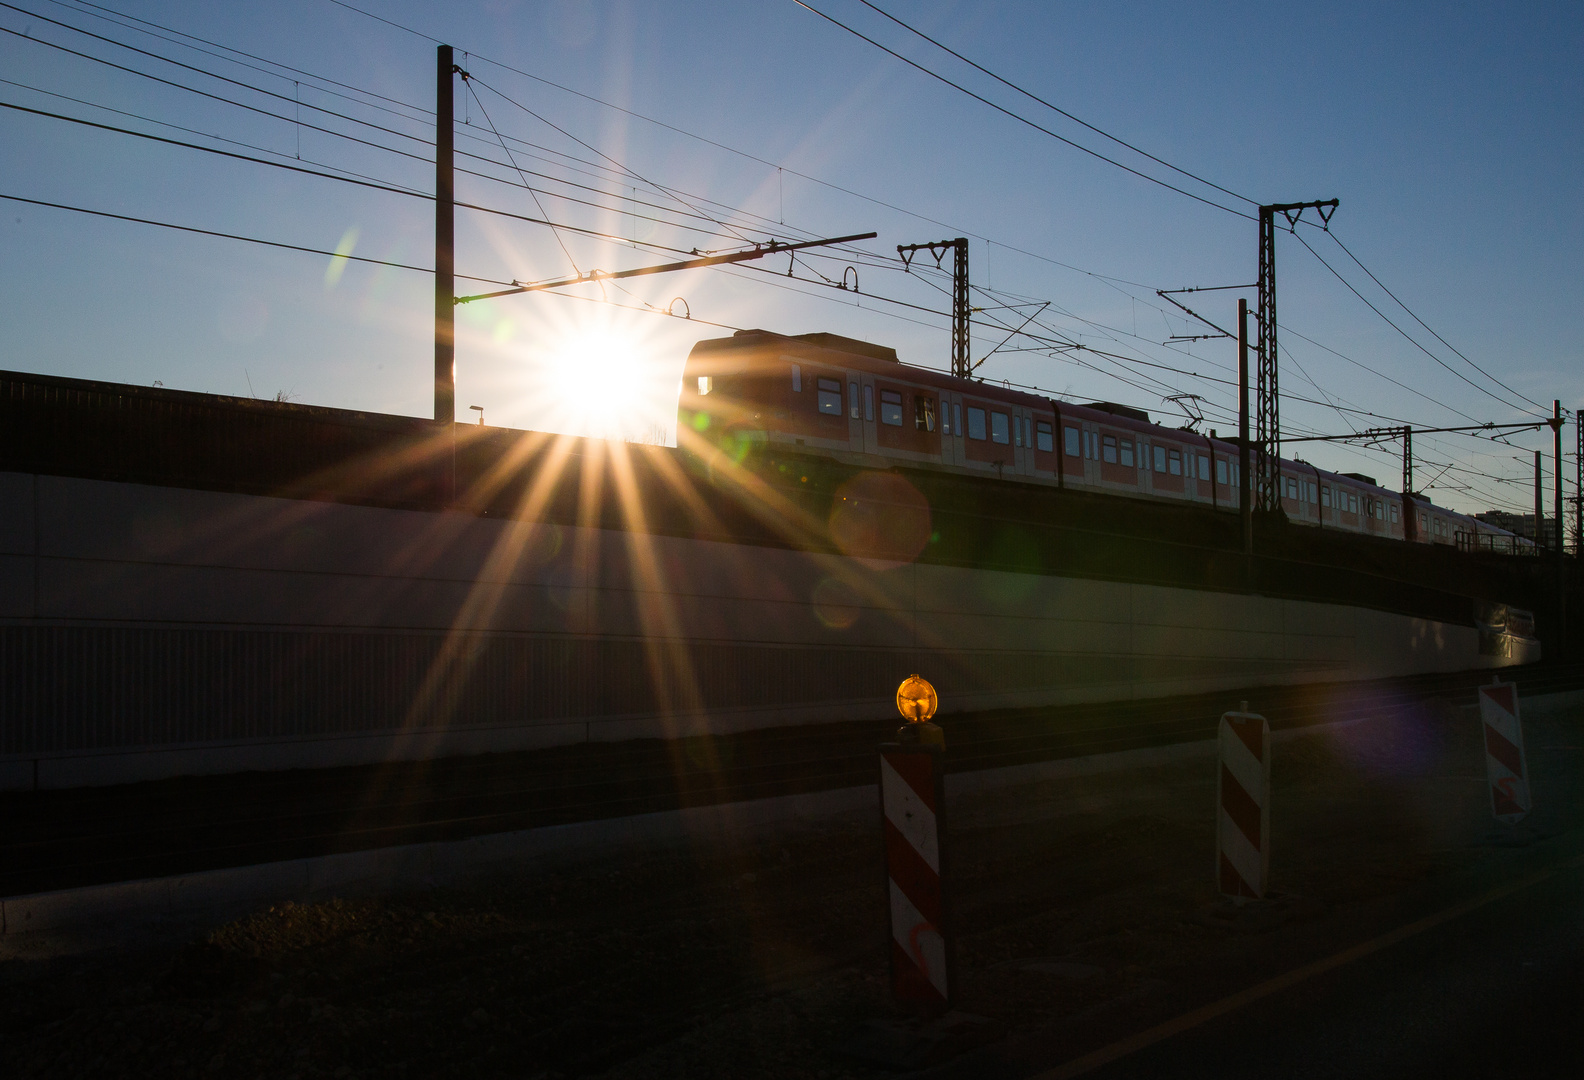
(1505, 764)
(1243, 805)
(913, 817)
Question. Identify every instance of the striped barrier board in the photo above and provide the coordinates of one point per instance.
(1505, 764)
(913, 803)
(1243, 805)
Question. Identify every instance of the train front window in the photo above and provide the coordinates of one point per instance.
(1000, 428)
(1044, 437)
(891, 408)
(1108, 449)
(830, 402)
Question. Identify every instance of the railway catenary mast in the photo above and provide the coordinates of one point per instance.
(1268, 437)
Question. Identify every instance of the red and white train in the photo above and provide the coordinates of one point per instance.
(856, 402)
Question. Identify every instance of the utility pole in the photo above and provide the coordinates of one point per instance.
(1539, 527)
(1561, 567)
(1556, 459)
(1269, 419)
(1245, 481)
(961, 365)
(445, 264)
(1410, 513)
(1407, 434)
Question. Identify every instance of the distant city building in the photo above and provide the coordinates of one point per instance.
(1521, 524)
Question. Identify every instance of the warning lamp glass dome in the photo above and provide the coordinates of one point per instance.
(916, 700)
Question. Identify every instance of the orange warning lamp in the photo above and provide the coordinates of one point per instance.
(916, 700)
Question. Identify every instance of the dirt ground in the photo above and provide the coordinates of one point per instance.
(1086, 911)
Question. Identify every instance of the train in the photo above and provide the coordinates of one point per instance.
(857, 402)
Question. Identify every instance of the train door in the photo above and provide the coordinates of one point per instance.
(866, 412)
(951, 429)
(855, 429)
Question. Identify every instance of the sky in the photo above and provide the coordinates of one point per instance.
(1450, 134)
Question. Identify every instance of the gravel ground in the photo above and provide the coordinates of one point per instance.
(1086, 911)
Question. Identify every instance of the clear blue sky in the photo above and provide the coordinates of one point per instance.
(1450, 133)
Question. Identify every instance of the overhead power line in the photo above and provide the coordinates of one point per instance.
(1427, 327)
(1055, 108)
(1015, 116)
(237, 236)
(1407, 336)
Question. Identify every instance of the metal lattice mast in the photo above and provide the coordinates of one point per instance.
(1267, 435)
(961, 364)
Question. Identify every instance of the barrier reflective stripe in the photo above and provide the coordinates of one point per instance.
(912, 797)
(1243, 805)
(1505, 765)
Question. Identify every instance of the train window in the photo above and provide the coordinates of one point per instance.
(705, 384)
(1044, 437)
(1394, 513)
(946, 424)
(999, 428)
(1325, 496)
(1174, 463)
(1108, 449)
(797, 379)
(1314, 494)
(830, 396)
(1127, 452)
(1221, 471)
(1017, 431)
(1160, 459)
(1204, 466)
(1352, 505)
(957, 417)
(869, 404)
(891, 408)
(976, 426)
(923, 412)
(1070, 441)
(852, 398)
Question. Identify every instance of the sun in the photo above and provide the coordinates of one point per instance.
(604, 381)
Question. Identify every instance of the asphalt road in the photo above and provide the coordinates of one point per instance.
(1493, 992)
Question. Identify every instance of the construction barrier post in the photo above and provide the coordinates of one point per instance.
(1243, 805)
(1505, 764)
(913, 818)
